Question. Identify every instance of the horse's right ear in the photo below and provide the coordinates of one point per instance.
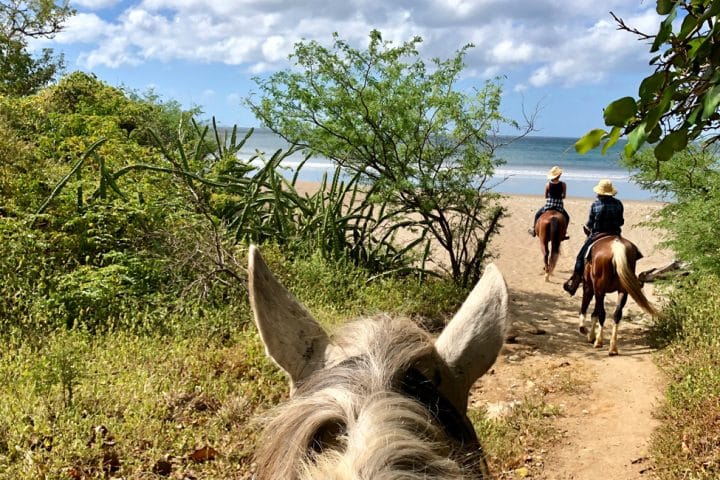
(292, 337)
(470, 343)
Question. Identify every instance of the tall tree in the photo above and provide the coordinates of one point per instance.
(426, 146)
(677, 103)
(21, 73)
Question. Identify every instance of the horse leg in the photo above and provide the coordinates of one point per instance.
(586, 298)
(617, 316)
(598, 315)
(555, 240)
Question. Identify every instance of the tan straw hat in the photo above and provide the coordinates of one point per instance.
(554, 172)
(604, 187)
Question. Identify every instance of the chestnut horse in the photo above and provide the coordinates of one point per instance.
(611, 269)
(550, 229)
(381, 399)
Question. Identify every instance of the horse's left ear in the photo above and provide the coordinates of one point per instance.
(292, 337)
(470, 343)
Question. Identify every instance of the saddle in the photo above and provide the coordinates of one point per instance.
(600, 236)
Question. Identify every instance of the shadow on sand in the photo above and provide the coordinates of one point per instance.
(547, 324)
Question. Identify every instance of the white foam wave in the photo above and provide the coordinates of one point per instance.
(567, 174)
(502, 172)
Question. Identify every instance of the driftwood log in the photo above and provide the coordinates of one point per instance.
(673, 269)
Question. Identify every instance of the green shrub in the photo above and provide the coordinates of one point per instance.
(686, 444)
(335, 290)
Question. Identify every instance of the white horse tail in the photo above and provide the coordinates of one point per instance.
(628, 280)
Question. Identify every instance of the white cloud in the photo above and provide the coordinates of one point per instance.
(275, 48)
(507, 51)
(542, 42)
(540, 77)
(83, 28)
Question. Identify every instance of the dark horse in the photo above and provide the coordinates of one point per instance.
(550, 229)
(611, 269)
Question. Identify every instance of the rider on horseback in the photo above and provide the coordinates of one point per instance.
(555, 192)
(606, 218)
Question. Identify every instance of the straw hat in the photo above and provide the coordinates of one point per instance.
(554, 172)
(604, 187)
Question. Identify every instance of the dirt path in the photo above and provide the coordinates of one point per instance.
(606, 403)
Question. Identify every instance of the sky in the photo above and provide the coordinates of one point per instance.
(564, 59)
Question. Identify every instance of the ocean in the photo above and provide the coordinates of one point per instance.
(527, 161)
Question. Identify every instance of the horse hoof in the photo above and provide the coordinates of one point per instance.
(597, 345)
(613, 353)
(583, 330)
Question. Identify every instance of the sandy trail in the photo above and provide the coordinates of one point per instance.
(606, 425)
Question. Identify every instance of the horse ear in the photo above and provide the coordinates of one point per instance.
(470, 343)
(292, 337)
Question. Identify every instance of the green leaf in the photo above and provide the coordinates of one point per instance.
(589, 141)
(651, 86)
(664, 31)
(699, 47)
(664, 6)
(655, 134)
(688, 25)
(711, 100)
(612, 139)
(636, 138)
(619, 112)
(692, 118)
(674, 142)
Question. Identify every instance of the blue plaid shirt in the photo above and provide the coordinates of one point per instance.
(606, 215)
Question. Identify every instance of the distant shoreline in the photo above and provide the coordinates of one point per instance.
(309, 186)
(522, 169)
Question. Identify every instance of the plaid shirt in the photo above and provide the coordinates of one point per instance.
(554, 204)
(606, 215)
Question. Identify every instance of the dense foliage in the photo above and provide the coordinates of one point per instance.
(679, 101)
(686, 444)
(81, 248)
(424, 146)
(692, 181)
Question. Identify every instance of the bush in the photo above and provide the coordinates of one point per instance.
(686, 445)
(335, 290)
